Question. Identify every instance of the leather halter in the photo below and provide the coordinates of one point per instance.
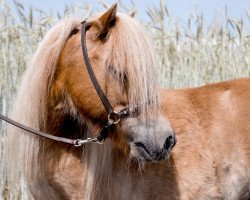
(113, 116)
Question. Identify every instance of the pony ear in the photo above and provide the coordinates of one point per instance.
(108, 20)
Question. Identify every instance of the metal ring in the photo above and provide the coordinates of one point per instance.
(116, 119)
(78, 143)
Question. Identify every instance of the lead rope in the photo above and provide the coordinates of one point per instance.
(76, 142)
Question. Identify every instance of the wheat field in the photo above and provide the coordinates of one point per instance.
(189, 52)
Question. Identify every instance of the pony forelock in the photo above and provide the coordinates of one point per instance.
(129, 50)
(135, 55)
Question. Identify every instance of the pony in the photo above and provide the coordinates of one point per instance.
(211, 159)
(56, 96)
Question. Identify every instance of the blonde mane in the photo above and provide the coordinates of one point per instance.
(29, 105)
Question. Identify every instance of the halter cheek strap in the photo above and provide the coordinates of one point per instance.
(113, 116)
(98, 88)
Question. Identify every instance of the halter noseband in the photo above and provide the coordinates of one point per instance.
(113, 116)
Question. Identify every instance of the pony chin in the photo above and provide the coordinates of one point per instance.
(141, 158)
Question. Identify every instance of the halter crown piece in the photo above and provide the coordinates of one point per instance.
(113, 116)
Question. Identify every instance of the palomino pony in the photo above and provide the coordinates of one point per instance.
(210, 161)
(57, 96)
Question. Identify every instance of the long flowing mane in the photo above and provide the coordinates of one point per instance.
(29, 106)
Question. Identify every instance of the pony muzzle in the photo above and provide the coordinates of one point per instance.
(150, 140)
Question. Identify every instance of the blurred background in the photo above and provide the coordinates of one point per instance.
(196, 42)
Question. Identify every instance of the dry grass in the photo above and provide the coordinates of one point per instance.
(193, 52)
(189, 53)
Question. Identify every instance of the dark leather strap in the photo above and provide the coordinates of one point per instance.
(39, 133)
(113, 116)
(105, 131)
(98, 88)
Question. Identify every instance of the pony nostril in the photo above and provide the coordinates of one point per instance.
(170, 142)
(142, 146)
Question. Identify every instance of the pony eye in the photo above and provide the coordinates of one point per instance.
(73, 32)
(119, 76)
(114, 72)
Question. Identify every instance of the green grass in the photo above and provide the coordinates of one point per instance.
(189, 53)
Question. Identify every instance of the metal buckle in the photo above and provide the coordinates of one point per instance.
(115, 117)
(80, 142)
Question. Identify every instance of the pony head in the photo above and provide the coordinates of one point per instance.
(123, 62)
(57, 96)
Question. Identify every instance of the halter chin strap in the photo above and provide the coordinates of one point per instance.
(113, 116)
